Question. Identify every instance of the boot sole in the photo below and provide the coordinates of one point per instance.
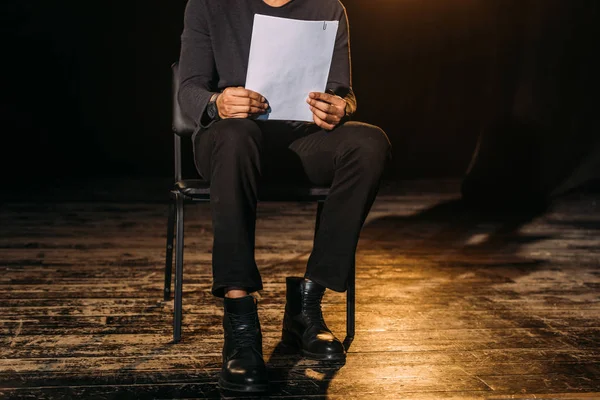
(234, 387)
(291, 341)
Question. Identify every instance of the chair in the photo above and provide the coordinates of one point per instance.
(198, 191)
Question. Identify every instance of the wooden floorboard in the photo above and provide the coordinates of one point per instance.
(452, 303)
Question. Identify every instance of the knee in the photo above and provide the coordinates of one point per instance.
(367, 143)
(235, 137)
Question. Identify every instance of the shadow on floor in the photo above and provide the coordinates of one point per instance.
(457, 230)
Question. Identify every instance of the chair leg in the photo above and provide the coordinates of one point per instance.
(319, 212)
(178, 271)
(169, 258)
(351, 305)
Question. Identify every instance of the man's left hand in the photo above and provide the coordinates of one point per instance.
(328, 109)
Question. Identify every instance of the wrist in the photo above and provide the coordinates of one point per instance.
(212, 109)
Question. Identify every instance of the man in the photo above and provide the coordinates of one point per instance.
(235, 152)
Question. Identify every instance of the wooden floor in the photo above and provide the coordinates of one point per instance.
(452, 304)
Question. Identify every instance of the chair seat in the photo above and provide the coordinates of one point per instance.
(199, 190)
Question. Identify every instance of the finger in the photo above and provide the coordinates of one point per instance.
(256, 96)
(337, 104)
(236, 92)
(322, 124)
(320, 114)
(231, 116)
(243, 102)
(326, 97)
(326, 107)
(325, 125)
(243, 92)
(245, 110)
(239, 115)
(329, 118)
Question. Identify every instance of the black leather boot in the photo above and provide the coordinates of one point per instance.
(303, 324)
(243, 365)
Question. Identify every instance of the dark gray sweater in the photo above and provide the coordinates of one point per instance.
(215, 46)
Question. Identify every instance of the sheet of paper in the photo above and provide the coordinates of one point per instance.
(288, 60)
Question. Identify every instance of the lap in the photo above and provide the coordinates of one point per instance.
(320, 152)
(299, 153)
(349, 135)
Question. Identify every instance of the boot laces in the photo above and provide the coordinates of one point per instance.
(311, 305)
(245, 327)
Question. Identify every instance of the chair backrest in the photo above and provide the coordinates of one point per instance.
(182, 125)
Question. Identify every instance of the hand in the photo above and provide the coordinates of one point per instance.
(237, 102)
(328, 109)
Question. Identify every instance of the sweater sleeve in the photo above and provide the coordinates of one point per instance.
(340, 74)
(197, 71)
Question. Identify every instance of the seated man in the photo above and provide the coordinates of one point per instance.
(235, 152)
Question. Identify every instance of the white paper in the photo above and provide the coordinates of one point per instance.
(288, 60)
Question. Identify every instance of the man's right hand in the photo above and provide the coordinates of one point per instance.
(237, 102)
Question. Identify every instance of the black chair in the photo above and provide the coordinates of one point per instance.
(198, 191)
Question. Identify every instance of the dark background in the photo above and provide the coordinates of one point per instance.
(86, 88)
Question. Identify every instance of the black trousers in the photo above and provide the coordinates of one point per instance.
(236, 155)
